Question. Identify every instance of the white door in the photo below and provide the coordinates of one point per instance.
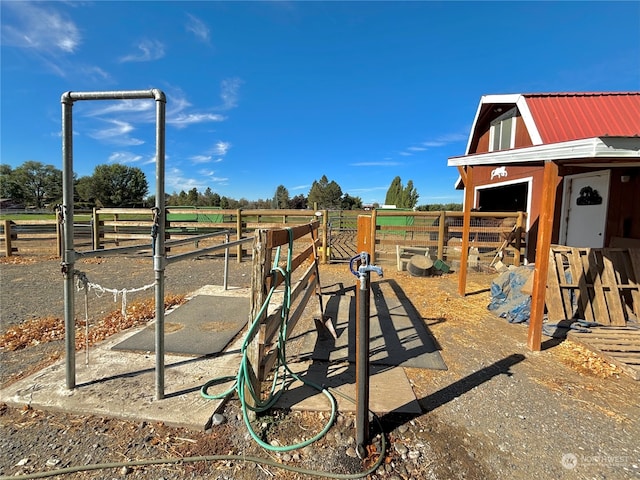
(585, 209)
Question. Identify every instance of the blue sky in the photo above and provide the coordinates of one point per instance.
(261, 94)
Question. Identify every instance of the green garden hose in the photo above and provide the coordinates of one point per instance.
(241, 380)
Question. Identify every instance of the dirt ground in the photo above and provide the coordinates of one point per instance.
(499, 411)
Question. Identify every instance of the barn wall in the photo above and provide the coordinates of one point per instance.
(482, 178)
(623, 219)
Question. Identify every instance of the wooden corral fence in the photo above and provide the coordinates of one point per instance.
(285, 276)
(27, 233)
(493, 236)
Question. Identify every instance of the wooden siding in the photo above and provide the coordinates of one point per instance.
(523, 139)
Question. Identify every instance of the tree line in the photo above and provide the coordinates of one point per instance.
(34, 184)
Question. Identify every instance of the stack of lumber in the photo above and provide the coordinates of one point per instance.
(596, 284)
(601, 285)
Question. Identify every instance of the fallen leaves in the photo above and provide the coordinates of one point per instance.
(585, 361)
(48, 329)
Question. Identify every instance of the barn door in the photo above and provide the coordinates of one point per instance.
(584, 209)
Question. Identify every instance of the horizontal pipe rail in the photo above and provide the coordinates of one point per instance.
(197, 253)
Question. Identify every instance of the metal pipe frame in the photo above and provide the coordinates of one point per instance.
(69, 254)
(200, 251)
(106, 252)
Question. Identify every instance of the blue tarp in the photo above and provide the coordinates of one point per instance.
(507, 299)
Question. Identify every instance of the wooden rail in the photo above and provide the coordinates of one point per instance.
(304, 283)
(439, 231)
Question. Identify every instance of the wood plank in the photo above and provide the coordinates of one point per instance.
(599, 300)
(627, 288)
(634, 265)
(553, 295)
(612, 294)
(567, 294)
(585, 309)
(628, 362)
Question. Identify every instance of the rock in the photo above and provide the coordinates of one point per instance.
(126, 470)
(400, 448)
(351, 452)
(217, 419)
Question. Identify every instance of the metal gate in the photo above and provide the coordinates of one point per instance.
(342, 236)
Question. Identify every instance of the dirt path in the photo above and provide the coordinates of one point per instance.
(499, 411)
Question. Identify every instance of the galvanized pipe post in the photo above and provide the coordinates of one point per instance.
(159, 256)
(69, 254)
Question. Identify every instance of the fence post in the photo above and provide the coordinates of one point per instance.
(239, 233)
(7, 238)
(260, 270)
(325, 236)
(517, 260)
(96, 229)
(372, 246)
(441, 234)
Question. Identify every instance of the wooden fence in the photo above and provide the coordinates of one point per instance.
(493, 235)
(294, 251)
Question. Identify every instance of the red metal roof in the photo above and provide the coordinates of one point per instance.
(561, 117)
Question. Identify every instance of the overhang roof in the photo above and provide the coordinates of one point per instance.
(555, 120)
(599, 149)
(561, 117)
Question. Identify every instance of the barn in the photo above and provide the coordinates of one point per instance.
(571, 161)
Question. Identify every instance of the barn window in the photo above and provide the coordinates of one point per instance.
(503, 131)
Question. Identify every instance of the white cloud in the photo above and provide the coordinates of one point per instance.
(184, 119)
(301, 187)
(198, 28)
(34, 26)
(443, 140)
(222, 148)
(124, 157)
(375, 164)
(176, 180)
(117, 133)
(229, 92)
(149, 50)
(416, 149)
(122, 106)
(201, 158)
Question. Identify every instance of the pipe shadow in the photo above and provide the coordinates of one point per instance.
(458, 388)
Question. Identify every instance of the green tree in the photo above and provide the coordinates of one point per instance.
(192, 197)
(394, 193)
(298, 202)
(281, 198)
(409, 196)
(84, 190)
(38, 183)
(325, 194)
(351, 203)
(117, 185)
(401, 196)
(9, 186)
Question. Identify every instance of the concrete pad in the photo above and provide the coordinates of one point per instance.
(398, 335)
(202, 326)
(389, 388)
(122, 385)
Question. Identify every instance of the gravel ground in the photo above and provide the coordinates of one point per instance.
(499, 411)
